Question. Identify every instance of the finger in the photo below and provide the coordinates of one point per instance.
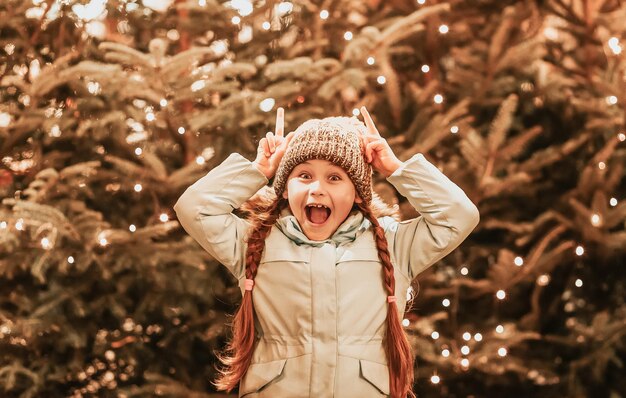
(265, 147)
(371, 127)
(282, 148)
(371, 148)
(288, 138)
(271, 141)
(280, 122)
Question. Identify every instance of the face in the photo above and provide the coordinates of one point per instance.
(321, 196)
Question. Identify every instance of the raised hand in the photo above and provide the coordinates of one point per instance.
(272, 147)
(377, 150)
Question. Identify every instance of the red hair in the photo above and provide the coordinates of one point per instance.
(239, 350)
(397, 348)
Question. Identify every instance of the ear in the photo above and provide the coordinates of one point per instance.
(285, 194)
(357, 199)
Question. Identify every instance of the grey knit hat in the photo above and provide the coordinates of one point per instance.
(335, 139)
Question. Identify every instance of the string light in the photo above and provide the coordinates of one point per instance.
(371, 60)
(324, 14)
(181, 130)
(602, 165)
(55, 131)
(200, 160)
(438, 98)
(611, 100)
(467, 336)
(150, 117)
(425, 68)
(435, 379)
(172, 34)
(103, 241)
(579, 250)
(235, 20)
(267, 104)
(613, 202)
(70, 259)
(502, 351)
(621, 137)
(3, 225)
(284, 8)
(93, 87)
(132, 228)
(46, 244)
(518, 261)
(197, 85)
(445, 353)
(435, 335)
(578, 282)
(243, 7)
(501, 294)
(163, 217)
(465, 362)
(596, 220)
(421, 1)
(163, 102)
(615, 46)
(406, 322)
(381, 79)
(443, 29)
(478, 337)
(464, 271)
(347, 35)
(138, 151)
(355, 112)
(245, 35)
(445, 302)
(454, 129)
(500, 329)
(543, 280)
(138, 187)
(5, 119)
(19, 224)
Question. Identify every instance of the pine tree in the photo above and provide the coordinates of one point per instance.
(109, 110)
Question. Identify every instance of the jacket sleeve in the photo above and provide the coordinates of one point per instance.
(447, 216)
(205, 210)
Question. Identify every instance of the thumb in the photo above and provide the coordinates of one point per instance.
(374, 146)
(285, 142)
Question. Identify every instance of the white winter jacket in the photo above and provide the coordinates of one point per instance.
(321, 305)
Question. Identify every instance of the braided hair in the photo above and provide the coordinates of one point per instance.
(239, 350)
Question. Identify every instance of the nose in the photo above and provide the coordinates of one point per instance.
(316, 188)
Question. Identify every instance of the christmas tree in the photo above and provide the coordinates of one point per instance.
(110, 109)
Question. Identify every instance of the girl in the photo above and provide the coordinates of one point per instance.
(323, 277)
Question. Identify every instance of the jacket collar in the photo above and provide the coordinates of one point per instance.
(348, 231)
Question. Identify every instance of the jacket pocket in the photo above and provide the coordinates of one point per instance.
(290, 253)
(376, 373)
(261, 374)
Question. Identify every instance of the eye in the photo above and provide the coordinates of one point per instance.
(304, 175)
(335, 177)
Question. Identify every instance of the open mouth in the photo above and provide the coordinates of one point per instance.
(317, 213)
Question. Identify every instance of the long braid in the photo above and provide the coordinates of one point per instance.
(240, 349)
(396, 345)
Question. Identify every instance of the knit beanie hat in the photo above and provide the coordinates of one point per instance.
(335, 139)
